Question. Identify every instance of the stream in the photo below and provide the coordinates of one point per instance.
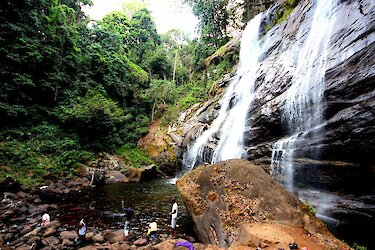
(151, 202)
(349, 217)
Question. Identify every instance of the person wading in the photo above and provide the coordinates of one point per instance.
(128, 216)
(174, 218)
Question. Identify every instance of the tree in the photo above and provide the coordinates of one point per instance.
(213, 20)
(94, 111)
(131, 7)
(80, 88)
(143, 37)
(161, 93)
(177, 43)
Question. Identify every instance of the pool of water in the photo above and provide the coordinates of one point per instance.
(151, 202)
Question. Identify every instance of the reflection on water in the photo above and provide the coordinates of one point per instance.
(151, 201)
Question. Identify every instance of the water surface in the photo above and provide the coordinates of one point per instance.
(151, 201)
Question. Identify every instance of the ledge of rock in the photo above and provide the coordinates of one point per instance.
(109, 169)
(236, 203)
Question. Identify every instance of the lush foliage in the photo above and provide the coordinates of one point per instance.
(70, 89)
(189, 94)
(34, 152)
(134, 157)
(213, 21)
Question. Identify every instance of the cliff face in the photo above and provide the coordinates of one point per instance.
(332, 151)
(348, 106)
(241, 11)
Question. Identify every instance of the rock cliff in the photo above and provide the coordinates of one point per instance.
(337, 156)
(349, 93)
(333, 163)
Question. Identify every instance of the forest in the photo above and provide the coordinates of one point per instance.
(72, 87)
(98, 111)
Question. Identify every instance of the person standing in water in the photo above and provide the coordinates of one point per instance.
(82, 229)
(128, 216)
(174, 213)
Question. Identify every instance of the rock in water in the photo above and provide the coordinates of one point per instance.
(234, 194)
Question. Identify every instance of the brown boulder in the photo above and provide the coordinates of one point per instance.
(69, 235)
(26, 230)
(263, 235)
(49, 231)
(114, 177)
(98, 238)
(140, 242)
(142, 174)
(90, 236)
(22, 194)
(66, 242)
(223, 196)
(51, 241)
(114, 236)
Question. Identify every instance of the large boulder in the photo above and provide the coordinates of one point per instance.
(221, 198)
(108, 169)
(114, 236)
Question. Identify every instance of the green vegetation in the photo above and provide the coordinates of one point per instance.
(190, 94)
(213, 21)
(359, 247)
(282, 13)
(134, 157)
(72, 87)
(31, 153)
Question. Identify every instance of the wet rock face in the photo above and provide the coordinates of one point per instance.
(349, 89)
(349, 93)
(226, 195)
(242, 11)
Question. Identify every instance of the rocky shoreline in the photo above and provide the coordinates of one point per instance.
(21, 212)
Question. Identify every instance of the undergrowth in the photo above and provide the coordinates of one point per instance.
(134, 156)
(28, 154)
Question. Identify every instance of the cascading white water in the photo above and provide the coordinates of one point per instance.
(230, 122)
(303, 110)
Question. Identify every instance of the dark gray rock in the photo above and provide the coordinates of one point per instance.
(348, 131)
(10, 185)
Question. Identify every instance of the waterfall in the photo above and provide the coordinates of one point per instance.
(302, 112)
(229, 125)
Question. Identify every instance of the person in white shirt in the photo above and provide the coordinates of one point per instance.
(45, 219)
(82, 229)
(174, 217)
